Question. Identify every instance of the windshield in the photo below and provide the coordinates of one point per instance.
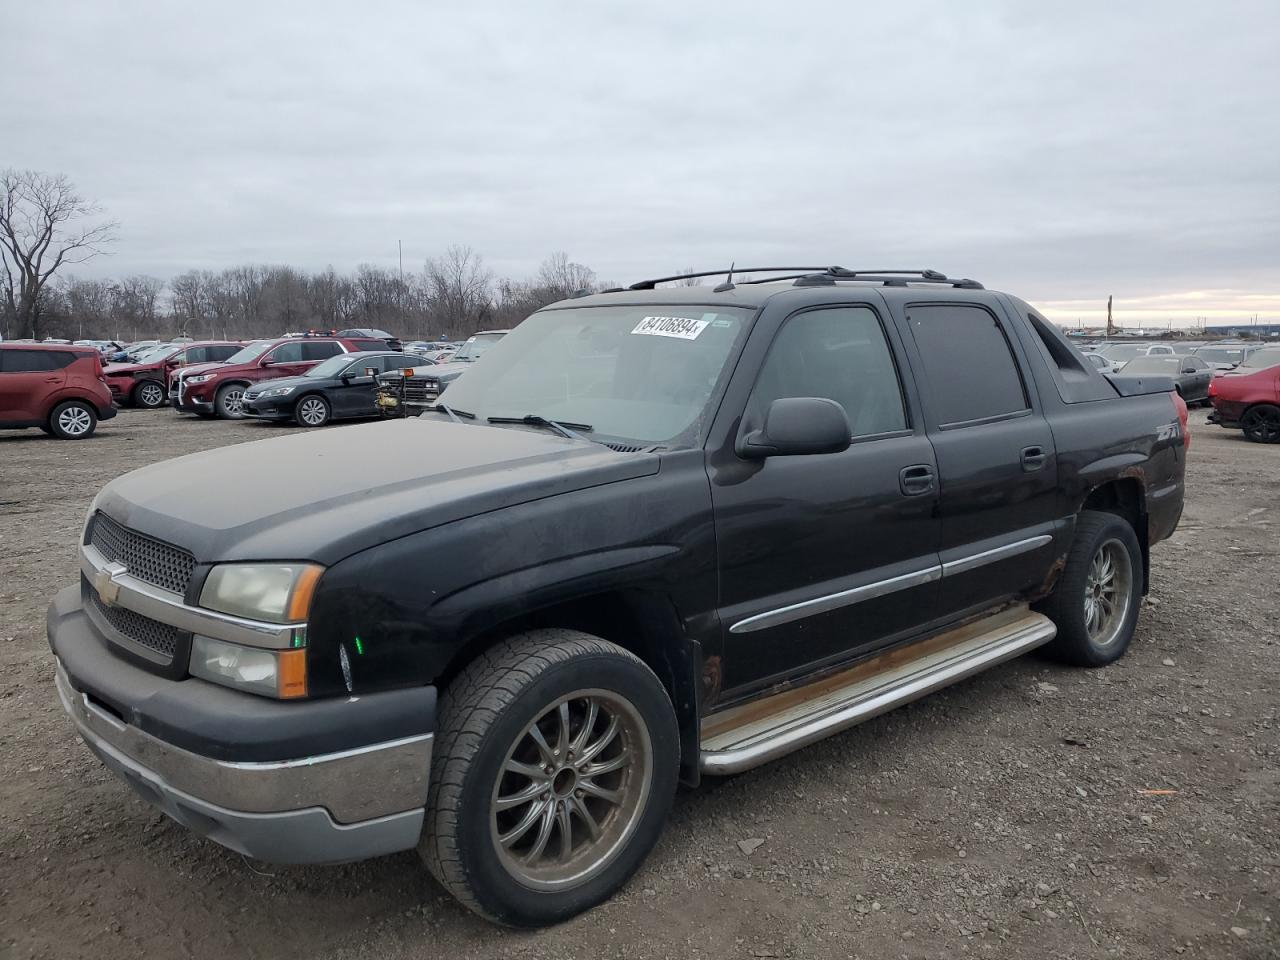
(477, 345)
(1220, 354)
(331, 367)
(1117, 352)
(252, 352)
(1261, 359)
(645, 373)
(1164, 365)
(152, 354)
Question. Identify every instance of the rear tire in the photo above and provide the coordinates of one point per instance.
(229, 401)
(554, 767)
(148, 395)
(1261, 423)
(1095, 602)
(73, 420)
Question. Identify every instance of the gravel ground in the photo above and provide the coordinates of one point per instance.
(1014, 815)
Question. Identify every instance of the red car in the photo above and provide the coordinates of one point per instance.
(1248, 397)
(58, 389)
(217, 389)
(144, 384)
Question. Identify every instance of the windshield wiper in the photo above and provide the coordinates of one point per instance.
(453, 414)
(534, 420)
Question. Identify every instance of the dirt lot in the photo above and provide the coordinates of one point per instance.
(1005, 817)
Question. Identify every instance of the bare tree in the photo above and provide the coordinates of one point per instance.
(562, 278)
(41, 229)
(459, 288)
(689, 281)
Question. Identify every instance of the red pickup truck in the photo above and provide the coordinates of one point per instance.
(217, 389)
(58, 389)
(142, 384)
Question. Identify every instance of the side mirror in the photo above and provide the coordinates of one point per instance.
(1188, 369)
(797, 426)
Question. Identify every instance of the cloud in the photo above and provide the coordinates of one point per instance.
(1062, 152)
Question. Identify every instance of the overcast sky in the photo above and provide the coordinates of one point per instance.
(1060, 151)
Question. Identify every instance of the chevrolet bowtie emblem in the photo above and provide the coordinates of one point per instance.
(104, 581)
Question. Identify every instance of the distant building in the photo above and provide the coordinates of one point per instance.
(1244, 330)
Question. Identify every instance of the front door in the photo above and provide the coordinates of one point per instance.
(824, 557)
(354, 398)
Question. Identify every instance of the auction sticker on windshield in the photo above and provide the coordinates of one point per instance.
(682, 328)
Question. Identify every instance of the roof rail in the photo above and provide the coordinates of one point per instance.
(824, 276)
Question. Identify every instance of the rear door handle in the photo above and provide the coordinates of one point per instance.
(916, 479)
(1033, 458)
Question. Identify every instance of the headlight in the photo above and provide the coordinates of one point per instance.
(199, 378)
(277, 392)
(276, 592)
(271, 673)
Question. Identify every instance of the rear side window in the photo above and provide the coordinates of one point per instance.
(839, 353)
(321, 350)
(970, 372)
(31, 361)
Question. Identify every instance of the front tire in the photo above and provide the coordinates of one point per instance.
(312, 411)
(148, 395)
(1095, 602)
(229, 401)
(73, 420)
(1261, 423)
(555, 764)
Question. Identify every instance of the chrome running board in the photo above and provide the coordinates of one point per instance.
(748, 735)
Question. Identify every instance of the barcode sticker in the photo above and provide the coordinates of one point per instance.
(681, 328)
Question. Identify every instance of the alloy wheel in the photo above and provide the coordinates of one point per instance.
(571, 790)
(312, 411)
(1262, 424)
(75, 421)
(1108, 591)
(233, 402)
(151, 394)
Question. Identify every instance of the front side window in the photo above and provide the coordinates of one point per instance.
(840, 354)
(644, 372)
(969, 369)
(287, 353)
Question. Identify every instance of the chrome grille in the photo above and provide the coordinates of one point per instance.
(417, 391)
(152, 561)
(152, 634)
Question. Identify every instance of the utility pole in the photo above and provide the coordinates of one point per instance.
(1110, 326)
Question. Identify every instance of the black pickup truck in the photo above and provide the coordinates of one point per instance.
(659, 533)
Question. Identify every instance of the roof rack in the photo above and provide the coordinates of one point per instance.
(824, 276)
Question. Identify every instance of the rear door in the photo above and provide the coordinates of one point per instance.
(27, 379)
(825, 557)
(997, 464)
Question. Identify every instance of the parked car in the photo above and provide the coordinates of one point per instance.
(408, 392)
(218, 389)
(1099, 361)
(620, 557)
(1190, 374)
(340, 388)
(367, 333)
(1222, 356)
(144, 383)
(1248, 397)
(59, 389)
(1121, 353)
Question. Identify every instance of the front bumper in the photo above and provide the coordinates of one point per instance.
(268, 409)
(292, 805)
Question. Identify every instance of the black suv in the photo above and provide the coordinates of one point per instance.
(657, 534)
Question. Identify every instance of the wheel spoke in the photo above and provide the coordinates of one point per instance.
(532, 815)
(607, 766)
(544, 832)
(566, 829)
(605, 739)
(593, 712)
(593, 789)
(585, 816)
(511, 800)
(544, 748)
(562, 736)
(526, 770)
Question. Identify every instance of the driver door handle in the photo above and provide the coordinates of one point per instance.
(916, 479)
